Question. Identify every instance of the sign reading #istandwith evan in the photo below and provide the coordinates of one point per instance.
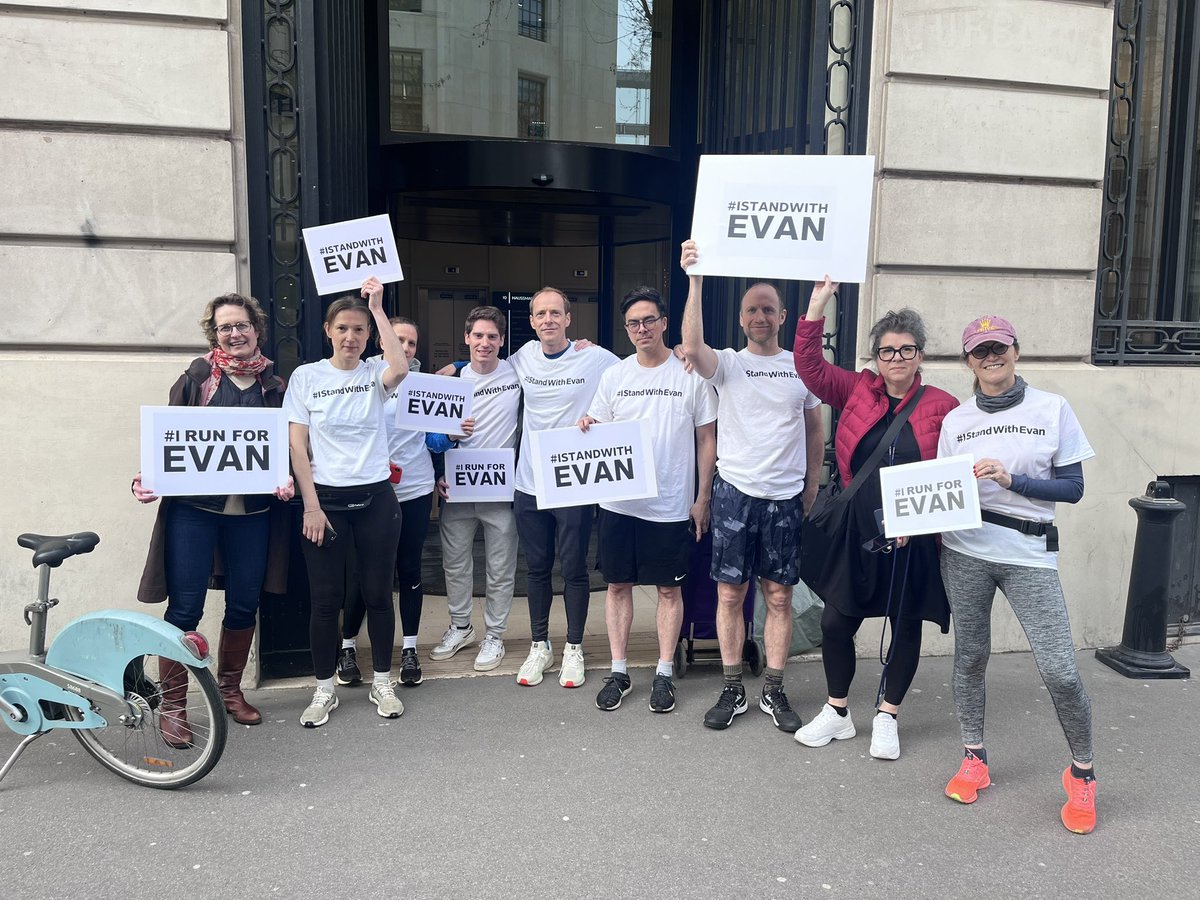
(793, 217)
(190, 451)
(345, 254)
(479, 476)
(611, 461)
(930, 496)
(433, 403)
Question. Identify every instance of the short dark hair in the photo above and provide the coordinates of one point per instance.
(258, 318)
(404, 320)
(905, 321)
(487, 314)
(643, 293)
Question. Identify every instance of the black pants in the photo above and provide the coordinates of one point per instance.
(569, 527)
(373, 533)
(414, 523)
(837, 654)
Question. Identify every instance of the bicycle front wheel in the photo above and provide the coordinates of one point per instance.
(141, 752)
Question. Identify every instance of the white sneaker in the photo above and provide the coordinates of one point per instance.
(491, 652)
(827, 726)
(540, 658)
(452, 641)
(571, 674)
(885, 737)
(317, 712)
(387, 704)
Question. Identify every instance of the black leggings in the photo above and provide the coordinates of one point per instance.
(414, 523)
(837, 654)
(569, 530)
(373, 533)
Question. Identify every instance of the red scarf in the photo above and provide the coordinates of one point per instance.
(223, 363)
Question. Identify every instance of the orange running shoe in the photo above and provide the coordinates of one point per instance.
(1079, 812)
(972, 778)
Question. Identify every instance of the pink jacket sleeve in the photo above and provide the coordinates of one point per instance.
(832, 384)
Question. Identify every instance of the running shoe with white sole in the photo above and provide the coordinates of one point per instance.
(317, 713)
(885, 737)
(490, 655)
(616, 688)
(387, 704)
(452, 641)
(539, 660)
(827, 726)
(571, 673)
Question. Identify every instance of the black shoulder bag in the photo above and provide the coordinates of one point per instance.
(832, 506)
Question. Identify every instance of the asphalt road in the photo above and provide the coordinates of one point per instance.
(484, 789)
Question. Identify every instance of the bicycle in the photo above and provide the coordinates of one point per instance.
(92, 681)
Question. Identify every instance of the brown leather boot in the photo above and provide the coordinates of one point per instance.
(231, 662)
(172, 709)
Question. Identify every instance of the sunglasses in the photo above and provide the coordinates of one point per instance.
(983, 351)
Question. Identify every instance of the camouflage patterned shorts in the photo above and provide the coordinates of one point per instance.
(752, 536)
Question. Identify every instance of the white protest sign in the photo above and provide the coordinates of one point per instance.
(930, 496)
(480, 476)
(611, 461)
(433, 403)
(197, 450)
(793, 217)
(345, 254)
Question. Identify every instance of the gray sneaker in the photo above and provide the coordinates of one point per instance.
(452, 641)
(387, 704)
(317, 713)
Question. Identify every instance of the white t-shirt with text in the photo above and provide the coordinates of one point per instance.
(674, 403)
(557, 393)
(761, 448)
(1031, 438)
(497, 397)
(347, 436)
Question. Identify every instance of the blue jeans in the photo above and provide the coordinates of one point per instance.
(193, 536)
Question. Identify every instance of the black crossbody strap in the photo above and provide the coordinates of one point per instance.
(874, 459)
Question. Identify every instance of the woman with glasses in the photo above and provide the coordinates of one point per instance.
(237, 530)
(1029, 450)
(898, 580)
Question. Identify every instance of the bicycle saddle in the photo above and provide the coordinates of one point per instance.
(51, 550)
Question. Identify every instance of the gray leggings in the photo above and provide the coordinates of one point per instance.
(1036, 598)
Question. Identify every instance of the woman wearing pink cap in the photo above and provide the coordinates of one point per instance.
(1029, 450)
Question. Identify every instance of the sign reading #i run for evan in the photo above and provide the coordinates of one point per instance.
(345, 254)
(931, 496)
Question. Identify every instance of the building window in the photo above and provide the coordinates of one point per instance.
(404, 5)
(1148, 290)
(531, 107)
(531, 19)
(407, 91)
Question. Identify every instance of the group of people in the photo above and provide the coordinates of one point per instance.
(737, 438)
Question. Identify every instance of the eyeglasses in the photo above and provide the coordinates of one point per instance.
(983, 351)
(239, 327)
(908, 351)
(647, 323)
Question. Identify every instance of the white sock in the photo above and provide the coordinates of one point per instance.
(410, 642)
(381, 678)
(665, 667)
(325, 684)
(621, 665)
(348, 643)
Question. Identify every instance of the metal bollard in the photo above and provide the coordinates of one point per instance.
(1143, 651)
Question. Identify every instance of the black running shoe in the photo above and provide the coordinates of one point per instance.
(616, 687)
(662, 694)
(732, 702)
(347, 668)
(774, 703)
(410, 667)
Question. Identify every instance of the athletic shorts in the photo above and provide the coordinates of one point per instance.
(752, 536)
(634, 551)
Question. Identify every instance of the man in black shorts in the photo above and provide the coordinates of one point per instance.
(647, 541)
(770, 436)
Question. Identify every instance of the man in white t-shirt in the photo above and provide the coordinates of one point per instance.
(769, 437)
(649, 541)
(557, 384)
(496, 401)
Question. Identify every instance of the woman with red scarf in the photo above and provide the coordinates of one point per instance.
(190, 532)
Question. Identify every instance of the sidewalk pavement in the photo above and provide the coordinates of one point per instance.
(487, 790)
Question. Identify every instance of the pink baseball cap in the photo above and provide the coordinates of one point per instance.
(988, 328)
